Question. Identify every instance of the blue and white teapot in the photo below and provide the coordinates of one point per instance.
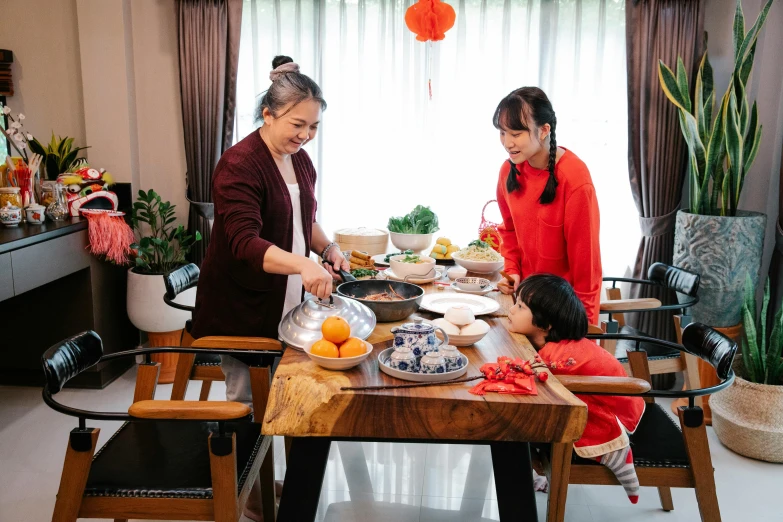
(419, 337)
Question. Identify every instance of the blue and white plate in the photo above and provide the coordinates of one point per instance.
(383, 364)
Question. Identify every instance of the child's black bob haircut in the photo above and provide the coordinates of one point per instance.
(553, 303)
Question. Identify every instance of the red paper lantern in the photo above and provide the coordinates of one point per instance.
(430, 19)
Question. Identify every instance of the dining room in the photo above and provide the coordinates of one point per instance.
(372, 260)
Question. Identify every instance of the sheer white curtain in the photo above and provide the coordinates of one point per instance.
(385, 147)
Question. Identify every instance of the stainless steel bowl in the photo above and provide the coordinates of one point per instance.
(303, 323)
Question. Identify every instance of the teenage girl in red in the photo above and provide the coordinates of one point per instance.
(547, 200)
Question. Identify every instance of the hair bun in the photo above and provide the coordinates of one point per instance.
(280, 59)
(281, 70)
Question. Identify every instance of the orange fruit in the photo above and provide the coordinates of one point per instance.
(336, 329)
(325, 348)
(353, 347)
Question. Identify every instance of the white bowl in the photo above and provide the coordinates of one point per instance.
(337, 363)
(473, 284)
(423, 270)
(415, 242)
(456, 272)
(465, 340)
(479, 267)
(459, 315)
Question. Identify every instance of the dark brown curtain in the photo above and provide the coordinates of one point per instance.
(657, 29)
(208, 61)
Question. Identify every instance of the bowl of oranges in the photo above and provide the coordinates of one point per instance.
(337, 350)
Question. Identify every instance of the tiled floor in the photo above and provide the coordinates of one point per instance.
(369, 481)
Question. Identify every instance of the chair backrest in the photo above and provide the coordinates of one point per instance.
(69, 358)
(675, 278)
(711, 346)
(179, 280)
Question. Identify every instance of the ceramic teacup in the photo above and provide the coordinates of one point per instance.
(452, 357)
(432, 362)
(404, 360)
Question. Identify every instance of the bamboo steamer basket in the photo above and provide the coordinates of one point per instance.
(371, 240)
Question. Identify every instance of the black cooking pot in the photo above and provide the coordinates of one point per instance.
(385, 311)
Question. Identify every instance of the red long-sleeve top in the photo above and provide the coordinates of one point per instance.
(559, 238)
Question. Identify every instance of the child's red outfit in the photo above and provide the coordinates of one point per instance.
(559, 238)
(609, 418)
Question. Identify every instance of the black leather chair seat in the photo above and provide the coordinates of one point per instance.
(654, 352)
(207, 359)
(657, 442)
(166, 459)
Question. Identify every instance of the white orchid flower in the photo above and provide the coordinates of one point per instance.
(16, 125)
(18, 137)
(21, 116)
(11, 131)
(6, 110)
(30, 137)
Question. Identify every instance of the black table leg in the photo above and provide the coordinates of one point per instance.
(304, 477)
(514, 481)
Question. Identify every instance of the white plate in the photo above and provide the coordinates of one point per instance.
(379, 260)
(418, 377)
(473, 292)
(337, 363)
(415, 280)
(441, 302)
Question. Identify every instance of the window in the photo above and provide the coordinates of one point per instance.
(384, 146)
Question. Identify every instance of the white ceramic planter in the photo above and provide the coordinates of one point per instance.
(146, 308)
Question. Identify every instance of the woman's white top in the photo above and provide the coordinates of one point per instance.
(293, 291)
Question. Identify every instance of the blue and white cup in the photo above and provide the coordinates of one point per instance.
(404, 359)
(452, 357)
(432, 362)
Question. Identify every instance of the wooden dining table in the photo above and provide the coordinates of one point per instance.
(308, 404)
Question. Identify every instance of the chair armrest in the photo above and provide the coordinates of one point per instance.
(238, 343)
(189, 410)
(645, 303)
(600, 384)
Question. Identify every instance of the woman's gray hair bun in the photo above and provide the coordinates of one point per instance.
(282, 70)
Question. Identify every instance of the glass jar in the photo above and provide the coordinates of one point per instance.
(12, 195)
(48, 194)
(57, 210)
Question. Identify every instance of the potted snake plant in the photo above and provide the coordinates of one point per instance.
(161, 248)
(748, 415)
(714, 237)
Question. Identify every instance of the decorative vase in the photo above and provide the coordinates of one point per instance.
(163, 324)
(722, 249)
(748, 418)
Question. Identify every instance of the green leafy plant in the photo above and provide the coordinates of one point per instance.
(161, 247)
(389, 256)
(363, 272)
(720, 151)
(421, 220)
(58, 156)
(761, 353)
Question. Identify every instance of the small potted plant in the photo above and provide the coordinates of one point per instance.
(58, 155)
(162, 247)
(748, 416)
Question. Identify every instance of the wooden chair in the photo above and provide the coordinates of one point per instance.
(661, 359)
(202, 367)
(666, 455)
(172, 460)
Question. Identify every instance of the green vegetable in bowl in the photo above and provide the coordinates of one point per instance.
(421, 220)
(389, 256)
(479, 243)
(411, 259)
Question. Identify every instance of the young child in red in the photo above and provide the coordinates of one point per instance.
(553, 318)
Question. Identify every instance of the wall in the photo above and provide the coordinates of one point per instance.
(43, 34)
(760, 192)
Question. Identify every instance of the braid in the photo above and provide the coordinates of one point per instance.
(548, 195)
(512, 181)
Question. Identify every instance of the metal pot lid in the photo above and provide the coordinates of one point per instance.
(302, 324)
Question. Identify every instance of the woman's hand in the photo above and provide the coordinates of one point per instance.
(315, 279)
(336, 259)
(506, 286)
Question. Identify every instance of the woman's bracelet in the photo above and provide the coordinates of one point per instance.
(325, 250)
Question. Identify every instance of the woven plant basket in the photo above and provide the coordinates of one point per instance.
(748, 418)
